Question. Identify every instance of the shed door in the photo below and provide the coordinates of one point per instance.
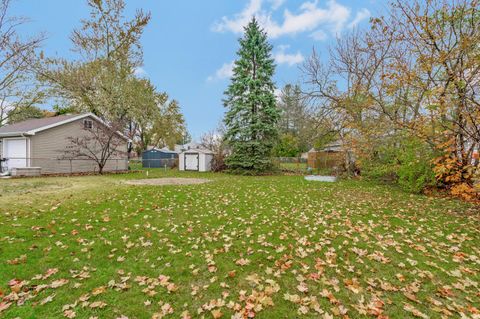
(191, 162)
(15, 150)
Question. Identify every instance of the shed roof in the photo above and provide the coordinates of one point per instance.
(198, 150)
(166, 150)
(163, 150)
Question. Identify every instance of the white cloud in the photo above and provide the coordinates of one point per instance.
(310, 17)
(307, 18)
(319, 35)
(281, 57)
(225, 72)
(140, 72)
(240, 19)
(286, 58)
(361, 15)
(276, 3)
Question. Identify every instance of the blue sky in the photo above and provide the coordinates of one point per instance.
(189, 45)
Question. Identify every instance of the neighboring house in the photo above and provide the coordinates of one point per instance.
(46, 142)
(336, 146)
(189, 146)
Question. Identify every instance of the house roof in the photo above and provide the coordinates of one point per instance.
(188, 146)
(26, 126)
(32, 126)
(336, 146)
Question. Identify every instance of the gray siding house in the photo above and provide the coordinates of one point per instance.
(46, 143)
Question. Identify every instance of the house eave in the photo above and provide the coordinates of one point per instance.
(15, 134)
(73, 119)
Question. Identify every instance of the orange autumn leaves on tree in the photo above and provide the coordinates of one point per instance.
(456, 176)
(413, 76)
(441, 70)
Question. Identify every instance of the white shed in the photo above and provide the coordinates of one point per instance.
(195, 160)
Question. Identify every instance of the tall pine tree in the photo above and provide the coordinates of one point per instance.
(252, 113)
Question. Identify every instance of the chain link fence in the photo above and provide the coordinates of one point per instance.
(322, 163)
(165, 163)
(29, 166)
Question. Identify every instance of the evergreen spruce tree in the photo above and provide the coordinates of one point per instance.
(252, 115)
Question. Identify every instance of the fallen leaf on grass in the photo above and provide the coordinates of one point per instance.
(4, 305)
(216, 313)
(414, 311)
(17, 261)
(98, 290)
(242, 262)
(47, 299)
(98, 304)
(58, 283)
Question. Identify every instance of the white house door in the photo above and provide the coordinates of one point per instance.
(15, 150)
(191, 162)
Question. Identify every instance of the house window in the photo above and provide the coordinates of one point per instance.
(87, 124)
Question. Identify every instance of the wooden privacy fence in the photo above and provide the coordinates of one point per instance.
(325, 160)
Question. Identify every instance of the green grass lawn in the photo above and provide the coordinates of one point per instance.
(269, 247)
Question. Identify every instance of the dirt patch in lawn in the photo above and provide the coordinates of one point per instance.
(168, 181)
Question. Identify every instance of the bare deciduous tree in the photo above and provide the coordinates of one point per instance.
(17, 55)
(109, 49)
(100, 143)
(414, 72)
(214, 142)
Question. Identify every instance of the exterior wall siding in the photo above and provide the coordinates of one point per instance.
(49, 151)
(201, 162)
(205, 164)
(208, 162)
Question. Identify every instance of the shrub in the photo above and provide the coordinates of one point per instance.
(218, 161)
(403, 160)
(287, 146)
(415, 171)
(382, 164)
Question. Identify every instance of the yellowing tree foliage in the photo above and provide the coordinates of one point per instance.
(413, 74)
